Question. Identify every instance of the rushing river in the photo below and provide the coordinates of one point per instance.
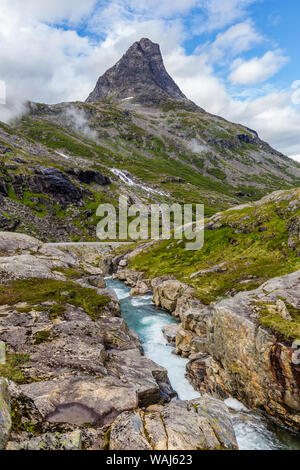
(253, 429)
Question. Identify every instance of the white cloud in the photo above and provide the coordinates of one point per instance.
(2, 92)
(50, 11)
(221, 13)
(44, 63)
(257, 69)
(274, 116)
(235, 40)
(161, 8)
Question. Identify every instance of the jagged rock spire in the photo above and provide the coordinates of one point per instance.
(139, 75)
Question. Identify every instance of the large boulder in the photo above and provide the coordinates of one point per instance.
(150, 380)
(184, 340)
(24, 257)
(158, 280)
(97, 281)
(204, 423)
(15, 243)
(54, 183)
(167, 293)
(130, 277)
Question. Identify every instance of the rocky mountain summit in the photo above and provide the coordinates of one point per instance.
(139, 76)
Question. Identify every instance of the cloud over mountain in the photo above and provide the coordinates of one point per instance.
(55, 52)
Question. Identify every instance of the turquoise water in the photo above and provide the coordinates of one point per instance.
(147, 320)
(253, 429)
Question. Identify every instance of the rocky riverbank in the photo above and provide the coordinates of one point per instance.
(234, 346)
(72, 374)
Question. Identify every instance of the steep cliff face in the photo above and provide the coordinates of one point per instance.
(237, 347)
(140, 75)
(242, 358)
(245, 346)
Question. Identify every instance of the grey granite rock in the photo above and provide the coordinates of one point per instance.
(203, 423)
(139, 75)
(50, 441)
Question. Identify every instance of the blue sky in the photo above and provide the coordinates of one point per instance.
(278, 22)
(235, 58)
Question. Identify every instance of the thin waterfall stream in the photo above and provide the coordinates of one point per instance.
(254, 430)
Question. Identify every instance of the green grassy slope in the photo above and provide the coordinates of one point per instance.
(188, 156)
(256, 243)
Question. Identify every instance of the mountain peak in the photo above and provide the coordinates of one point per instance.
(140, 75)
(145, 43)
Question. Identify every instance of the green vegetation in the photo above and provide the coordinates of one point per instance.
(286, 330)
(42, 337)
(21, 421)
(252, 242)
(217, 173)
(12, 369)
(37, 291)
(54, 137)
(70, 273)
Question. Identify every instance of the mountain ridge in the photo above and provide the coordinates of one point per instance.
(59, 162)
(141, 73)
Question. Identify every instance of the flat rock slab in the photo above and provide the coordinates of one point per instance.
(82, 400)
(203, 423)
(17, 242)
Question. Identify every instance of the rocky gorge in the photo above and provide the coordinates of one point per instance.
(73, 375)
(245, 345)
(230, 354)
(77, 369)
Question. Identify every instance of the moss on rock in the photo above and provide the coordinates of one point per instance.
(36, 291)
